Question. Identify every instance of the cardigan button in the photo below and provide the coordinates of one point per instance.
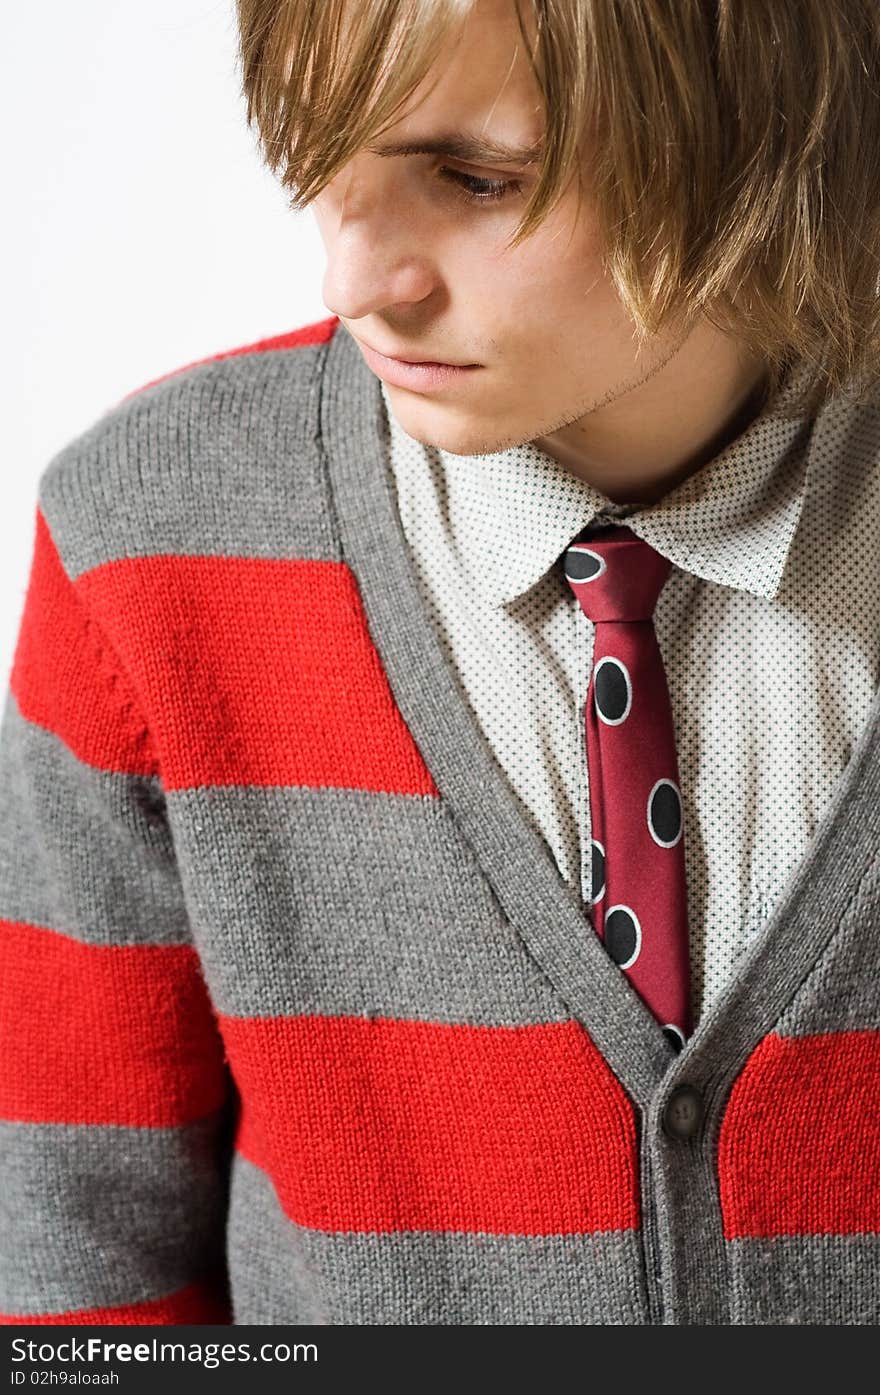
(683, 1113)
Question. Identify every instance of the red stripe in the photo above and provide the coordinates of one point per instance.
(196, 1304)
(246, 665)
(799, 1147)
(317, 333)
(98, 1034)
(383, 1125)
(64, 676)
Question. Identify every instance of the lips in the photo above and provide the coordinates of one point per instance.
(427, 375)
(417, 358)
(438, 362)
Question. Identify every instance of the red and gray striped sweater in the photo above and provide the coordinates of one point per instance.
(299, 1022)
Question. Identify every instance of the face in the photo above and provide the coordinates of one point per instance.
(418, 265)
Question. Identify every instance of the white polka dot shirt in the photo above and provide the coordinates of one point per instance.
(768, 625)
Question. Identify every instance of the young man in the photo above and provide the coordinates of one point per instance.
(439, 865)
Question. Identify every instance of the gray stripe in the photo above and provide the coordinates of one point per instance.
(93, 1215)
(289, 1274)
(842, 991)
(218, 460)
(349, 902)
(823, 1279)
(83, 851)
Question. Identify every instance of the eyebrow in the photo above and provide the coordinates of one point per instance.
(458, 145)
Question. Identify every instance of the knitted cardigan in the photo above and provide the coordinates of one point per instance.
(299, 1022)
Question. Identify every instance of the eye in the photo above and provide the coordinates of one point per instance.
(473, 189)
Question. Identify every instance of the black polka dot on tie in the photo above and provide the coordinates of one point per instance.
(674, 1035)
(623, 935)
(613, 690)
(580, 564)
(664, 813)
(598, 871)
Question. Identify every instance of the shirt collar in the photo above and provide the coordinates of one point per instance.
(732, 522)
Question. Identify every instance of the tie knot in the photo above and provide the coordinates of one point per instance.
(614, 574)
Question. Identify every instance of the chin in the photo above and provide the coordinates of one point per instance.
(451, 430)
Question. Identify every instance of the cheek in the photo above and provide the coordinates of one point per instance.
(535, 294)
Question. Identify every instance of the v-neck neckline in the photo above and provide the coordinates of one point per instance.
(541, 905)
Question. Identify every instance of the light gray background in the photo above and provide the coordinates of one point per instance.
(140, 230)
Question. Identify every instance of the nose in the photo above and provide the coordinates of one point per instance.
(378, 255)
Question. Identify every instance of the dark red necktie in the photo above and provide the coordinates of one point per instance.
(639, 892)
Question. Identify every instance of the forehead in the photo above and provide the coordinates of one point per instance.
(480, 84)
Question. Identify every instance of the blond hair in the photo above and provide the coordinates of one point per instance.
(731, 148)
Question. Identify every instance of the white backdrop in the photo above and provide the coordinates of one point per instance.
(141, 230)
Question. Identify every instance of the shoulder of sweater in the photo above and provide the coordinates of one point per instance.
(228, 427)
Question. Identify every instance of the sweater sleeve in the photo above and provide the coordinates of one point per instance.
(115, 1096)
